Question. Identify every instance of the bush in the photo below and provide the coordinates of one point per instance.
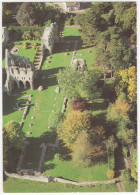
(55, 119)
(111, 159)
(125, 151)
(126, 175)
(27, 35)
(79, 104)
(110, 174)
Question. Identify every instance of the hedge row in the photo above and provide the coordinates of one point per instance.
(26, 28)
(111, 160)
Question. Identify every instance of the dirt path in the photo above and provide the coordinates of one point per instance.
(120, 166)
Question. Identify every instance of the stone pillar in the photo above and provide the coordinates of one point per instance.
(24, 83)
(18, 85)
(32, 85)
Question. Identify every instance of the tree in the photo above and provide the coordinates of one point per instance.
(118, 111)
(12, 140)
(128, 83)
(79, 104)
(27, 14)
(134, 169)
(81, 150)
(111, 143)
(74, 123)
(75, 83)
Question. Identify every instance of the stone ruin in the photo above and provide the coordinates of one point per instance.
(49, 37)
(20, 71)
(5, 35)
(79, 64)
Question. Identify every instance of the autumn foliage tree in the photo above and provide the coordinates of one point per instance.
(128, 83)
(74, 123)
(79, 104)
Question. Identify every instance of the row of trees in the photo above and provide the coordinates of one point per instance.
(31, 13)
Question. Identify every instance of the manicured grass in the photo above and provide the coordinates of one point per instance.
(130, 186)
(9, 102)
(64, 167)
(19, 185)
(71, 31)
(89, 54)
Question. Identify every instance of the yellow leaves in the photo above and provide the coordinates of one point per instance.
(119, 110)
(129, 81)
(74, 123)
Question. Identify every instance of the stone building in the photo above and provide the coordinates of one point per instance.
(50, 37)
(73, 6)
(20, 72)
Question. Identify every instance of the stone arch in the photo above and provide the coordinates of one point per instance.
(21, 84)
(14, 85)
(28, 85)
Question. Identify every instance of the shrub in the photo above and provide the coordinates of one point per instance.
(36, 35)
(125, 151)
(79, 104)
(27, 35)
(57, 157)
(55, 119)
(110, 174)
(111, 159)
(126, 175)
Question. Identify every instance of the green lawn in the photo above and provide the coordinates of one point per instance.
(44, 102)
(130, 186)
(72, 32)
(12, 185)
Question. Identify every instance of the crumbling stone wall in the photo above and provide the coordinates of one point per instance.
(19, 71)
(79, 64)
(5, 35)
(49, 37)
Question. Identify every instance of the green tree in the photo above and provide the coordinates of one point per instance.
(81, 150)
(27, 14)
(12, 139)
(134, 169)
(74, 84)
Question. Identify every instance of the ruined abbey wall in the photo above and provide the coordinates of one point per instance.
(49, 37)
(19, 70)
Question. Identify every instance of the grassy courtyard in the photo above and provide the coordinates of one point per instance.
(25, 186)
(42, 104)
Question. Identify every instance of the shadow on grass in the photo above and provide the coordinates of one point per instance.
(97, 106)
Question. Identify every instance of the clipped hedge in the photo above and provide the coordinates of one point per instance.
(26, 28)
(111, 159)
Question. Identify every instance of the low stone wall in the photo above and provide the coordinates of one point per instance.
(44, 178)
(26, 110)
(41, 58)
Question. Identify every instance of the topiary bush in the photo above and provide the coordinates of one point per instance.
(126, 175)
(110, 174)
(111, 159)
